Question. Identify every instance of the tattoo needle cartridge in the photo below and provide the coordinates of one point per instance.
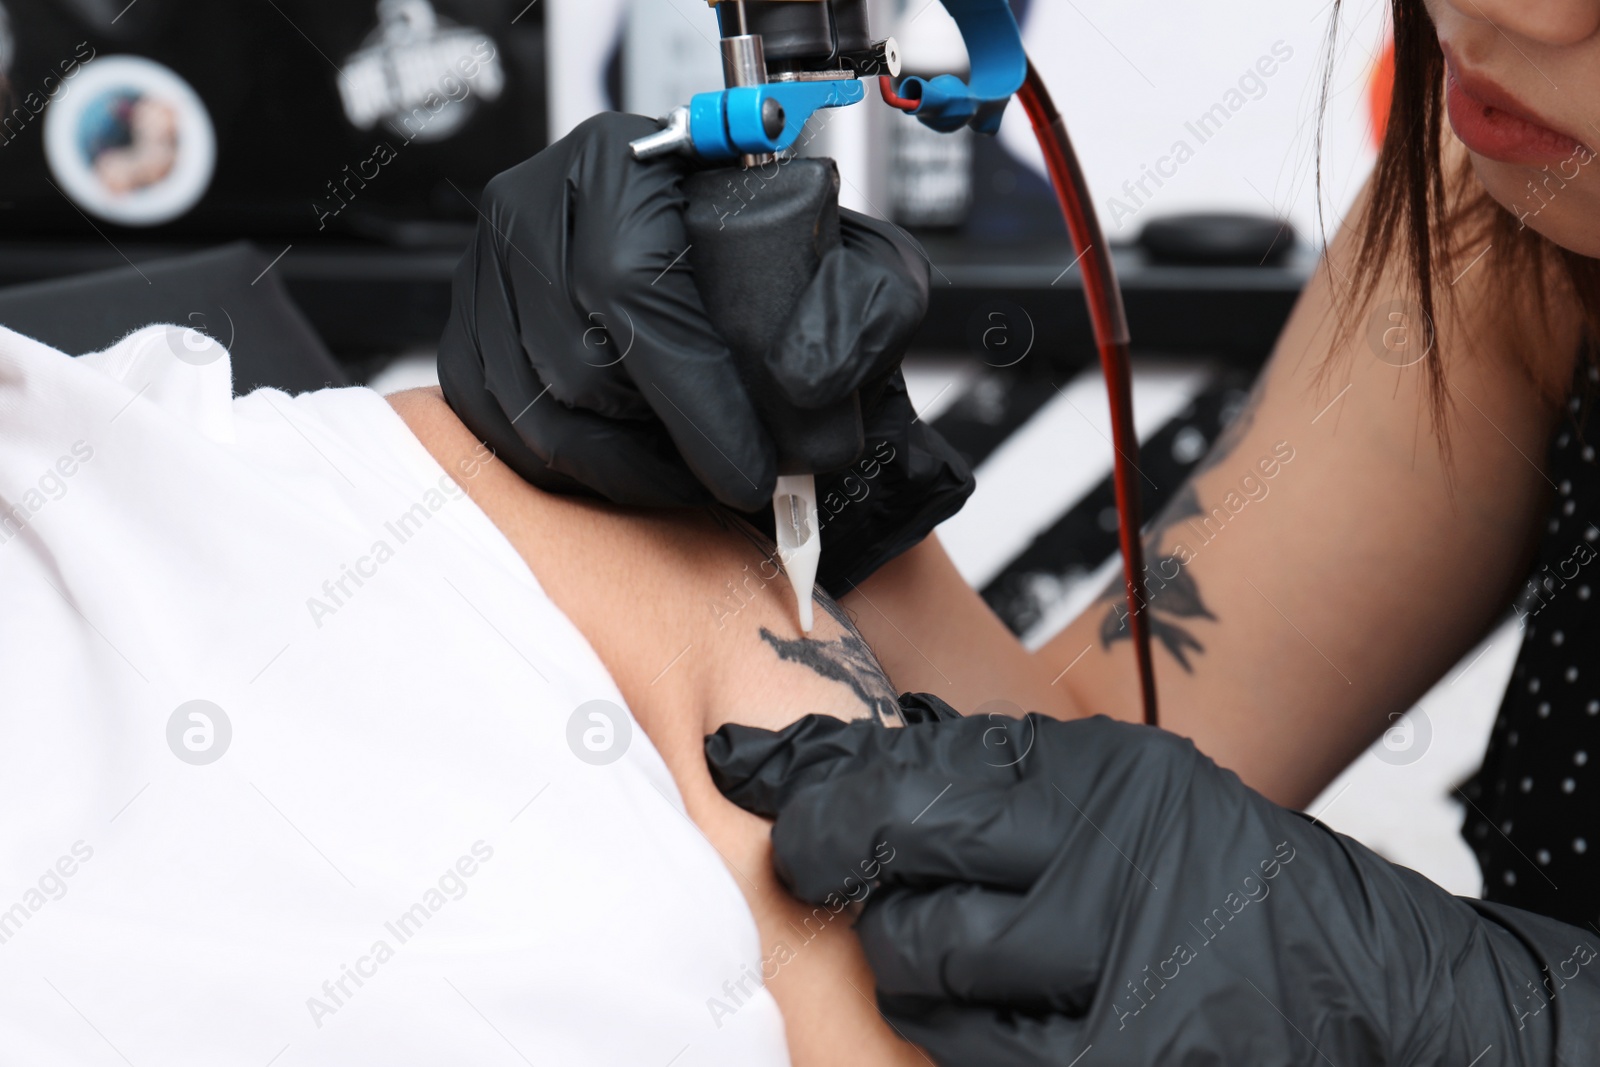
(794, 511)
(752, 256)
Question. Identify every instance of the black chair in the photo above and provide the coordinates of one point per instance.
(227, 293)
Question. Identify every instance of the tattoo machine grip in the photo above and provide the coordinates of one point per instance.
(756, 241)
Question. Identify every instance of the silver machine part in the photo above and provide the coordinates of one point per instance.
(744, 63)
(891, 56)
(673, 137)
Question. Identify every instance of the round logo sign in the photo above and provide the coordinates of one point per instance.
(1406, 740)
(132, 143)
(1399, 333)
(199, 732)
(196, 341)
(598, 732)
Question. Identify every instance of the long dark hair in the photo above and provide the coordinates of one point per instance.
(1437, 217)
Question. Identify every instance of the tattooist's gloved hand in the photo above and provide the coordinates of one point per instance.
(1093, 892)
(579, 350)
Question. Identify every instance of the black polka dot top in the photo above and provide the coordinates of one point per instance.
(1533, 811)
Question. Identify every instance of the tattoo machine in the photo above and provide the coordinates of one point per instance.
(760, 224)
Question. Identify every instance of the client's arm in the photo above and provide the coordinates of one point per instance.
(698, 629)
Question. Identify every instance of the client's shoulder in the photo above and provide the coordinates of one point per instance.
(629, 580)
(687, 608)
(430, 418)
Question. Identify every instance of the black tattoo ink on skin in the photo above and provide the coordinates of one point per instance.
(849, 660)
(1235, 429)
(1179, 596)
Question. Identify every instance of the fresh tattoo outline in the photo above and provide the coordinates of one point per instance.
(847, 660)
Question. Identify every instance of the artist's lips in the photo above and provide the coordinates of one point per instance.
(1491, 122)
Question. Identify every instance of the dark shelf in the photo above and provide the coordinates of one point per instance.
(368, 300)
(1230, 313)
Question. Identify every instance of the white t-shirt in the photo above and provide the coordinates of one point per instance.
(374, 840)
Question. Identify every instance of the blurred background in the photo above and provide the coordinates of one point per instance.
(299, 178)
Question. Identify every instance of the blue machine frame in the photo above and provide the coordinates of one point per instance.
(727, 124)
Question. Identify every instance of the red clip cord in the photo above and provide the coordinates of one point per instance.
(1110, 323)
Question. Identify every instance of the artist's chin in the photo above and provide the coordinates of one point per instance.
(1568, 216)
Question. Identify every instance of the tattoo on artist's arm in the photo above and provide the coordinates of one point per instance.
(1174, 602)
(1235, 429)
(1169, 599)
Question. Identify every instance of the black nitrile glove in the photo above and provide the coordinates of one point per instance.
(579, 350)
(1093, 892)
(908, 481)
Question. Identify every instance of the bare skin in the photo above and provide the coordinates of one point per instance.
(1310, 612)
(686, 613)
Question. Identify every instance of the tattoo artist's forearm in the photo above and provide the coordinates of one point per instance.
(1174, 539)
